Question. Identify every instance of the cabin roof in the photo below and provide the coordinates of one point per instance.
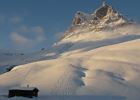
(23, 88)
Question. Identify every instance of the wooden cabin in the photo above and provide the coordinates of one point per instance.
(24, 92)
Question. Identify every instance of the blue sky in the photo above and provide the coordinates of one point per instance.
(29, 25)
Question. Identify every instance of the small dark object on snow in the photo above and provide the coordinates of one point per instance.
(24, 92)
(10, 68)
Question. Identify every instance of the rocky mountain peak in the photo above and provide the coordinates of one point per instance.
(105, 13)
(104, 17)
(81, 17)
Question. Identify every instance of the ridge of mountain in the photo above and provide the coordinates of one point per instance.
(103, 18)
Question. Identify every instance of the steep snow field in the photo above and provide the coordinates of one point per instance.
(103, 65)
(112, 70)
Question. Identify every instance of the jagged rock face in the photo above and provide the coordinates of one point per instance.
(102, 11)
(105, 17)
(81, 17)
(76, 21)
(102, 16)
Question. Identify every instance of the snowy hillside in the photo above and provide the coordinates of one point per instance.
(9, 60)
(104, 71)
(88, 63)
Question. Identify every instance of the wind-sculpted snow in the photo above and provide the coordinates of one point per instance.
(105, 71)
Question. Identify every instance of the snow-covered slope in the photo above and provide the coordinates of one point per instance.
(106, 71)
(9, 60)
(86, 63)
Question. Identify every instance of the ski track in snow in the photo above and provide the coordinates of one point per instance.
(67, 80)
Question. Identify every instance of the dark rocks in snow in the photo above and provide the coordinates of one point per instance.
(76, 21)
(102, 12)
(105, 17)
(42, 49)
(10, 68)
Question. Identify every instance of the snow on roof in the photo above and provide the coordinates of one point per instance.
(23, 88)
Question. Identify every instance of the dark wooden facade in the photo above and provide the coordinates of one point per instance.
(31, 92)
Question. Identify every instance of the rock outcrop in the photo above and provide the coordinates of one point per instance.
(105, 17)
(105, 14)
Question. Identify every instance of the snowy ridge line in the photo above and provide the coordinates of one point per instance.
(105, 17)
(85, 46)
